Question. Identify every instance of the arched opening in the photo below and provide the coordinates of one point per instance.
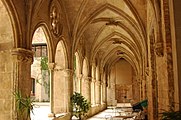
(60, 83)
(122, 86)
(40, 74)
(123, 81)
(6, 64)
(39, 69)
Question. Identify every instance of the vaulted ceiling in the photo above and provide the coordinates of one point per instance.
(110, 29)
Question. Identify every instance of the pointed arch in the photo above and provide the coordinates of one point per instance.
(9, 70)
(48, 39)
(15, 23)
(39, 68)
(6, 29)
(60, 80)
(85, 67)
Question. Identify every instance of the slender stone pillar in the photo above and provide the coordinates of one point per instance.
(98, 92)
(51, 69)
(93, 85)
(22, 60)
(86, 88)
(103, 92)
(93, 96)
(79, 83)
(69, 91)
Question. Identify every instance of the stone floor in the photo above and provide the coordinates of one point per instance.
(41, 111)
(111, 113)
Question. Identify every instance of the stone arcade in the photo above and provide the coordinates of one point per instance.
(110, 51)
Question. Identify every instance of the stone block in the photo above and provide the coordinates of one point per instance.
(6, 82)
(5, 116)
(7, 105)
(5, 94)
(9, 67)
(2, 67)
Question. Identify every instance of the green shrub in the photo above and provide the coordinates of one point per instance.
(24, 105)
(80, 105)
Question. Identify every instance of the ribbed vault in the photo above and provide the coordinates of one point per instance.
(111, 30)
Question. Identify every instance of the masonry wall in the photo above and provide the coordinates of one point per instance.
(162, 90)
(120, 85)
(124, 77)
(6, 66)
(177, 28)
(6, 86)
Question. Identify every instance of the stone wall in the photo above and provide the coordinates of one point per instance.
(121, 81)
(6, 86)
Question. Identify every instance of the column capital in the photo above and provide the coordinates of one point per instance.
(22, 55)
(98, 82)
(87, 79)
(79, 76)
(93, 80)
(93, 64)
(68, 72)
(51, 66)
(103, 82)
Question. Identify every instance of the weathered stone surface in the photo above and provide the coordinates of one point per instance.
(144, 33)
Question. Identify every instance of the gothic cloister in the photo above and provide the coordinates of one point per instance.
(111, 51)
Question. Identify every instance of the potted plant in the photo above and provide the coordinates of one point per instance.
(171, 114)
(24, 105)
(80, 105)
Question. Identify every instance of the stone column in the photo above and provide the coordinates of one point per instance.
(86, 88)
(51, 69)
(169, 51)
(22, 60)
(144, 88)
(93, 96)
(98, 92)
(79, 82)
(103, 92)
(62, 90)
(69, 92)
(176, 16)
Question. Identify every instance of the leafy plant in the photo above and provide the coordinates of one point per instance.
(80, 105)
(44, 80)
(171, 114)
(24, 105)
(44, 63)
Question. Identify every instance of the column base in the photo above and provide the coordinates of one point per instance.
(51, 115)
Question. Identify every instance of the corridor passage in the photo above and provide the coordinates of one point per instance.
(41, 111)
(120, 112)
